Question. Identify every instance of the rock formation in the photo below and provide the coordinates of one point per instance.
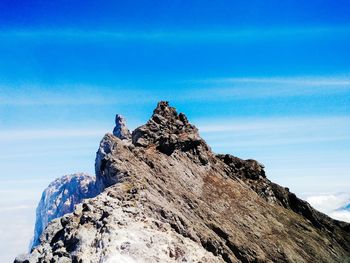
(168, 198)
(120, 129)
(60, 198)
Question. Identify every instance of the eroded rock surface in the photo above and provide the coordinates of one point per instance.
(168, 198)
(60, 197)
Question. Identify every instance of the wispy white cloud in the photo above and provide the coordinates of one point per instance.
(45, 152)
(268, 124)
(15, 135)
(214, 34)
(297, 80)
(73, 94)
(251, 132)
(269, 87)
(268, 142)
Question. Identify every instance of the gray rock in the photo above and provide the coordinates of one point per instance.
(168, 131)
(60, 197)
(120, 129)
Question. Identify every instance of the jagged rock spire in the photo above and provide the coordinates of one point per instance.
(164, 113)
(168, 131)
(120, 129)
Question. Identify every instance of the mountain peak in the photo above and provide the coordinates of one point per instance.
(169, 113)
(163, 108)
(165, 115)
(167, 130)
(166, 197)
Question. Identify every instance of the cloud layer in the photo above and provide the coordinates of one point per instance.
(332, 205)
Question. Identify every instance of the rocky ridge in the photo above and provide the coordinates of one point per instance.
(61, 196)
(168, 198)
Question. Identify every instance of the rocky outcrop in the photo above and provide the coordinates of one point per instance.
(168, 131)
(60, 198)
(120, 130)
(104, 178)
(168, 198)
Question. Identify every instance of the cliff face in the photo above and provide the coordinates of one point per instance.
(168, 198)
(60, 197)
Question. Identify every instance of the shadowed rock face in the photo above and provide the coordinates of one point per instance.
(168, 198)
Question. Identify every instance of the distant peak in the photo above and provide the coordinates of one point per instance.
(120, 130)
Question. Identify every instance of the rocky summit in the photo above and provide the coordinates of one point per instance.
(166, 197)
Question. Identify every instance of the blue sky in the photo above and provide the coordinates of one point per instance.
(268, 80)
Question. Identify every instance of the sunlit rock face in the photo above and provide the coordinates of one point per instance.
(60, 197)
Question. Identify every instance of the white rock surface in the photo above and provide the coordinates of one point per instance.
(104, 230)
(60, 197)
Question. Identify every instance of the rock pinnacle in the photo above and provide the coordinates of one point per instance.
(120, 129)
